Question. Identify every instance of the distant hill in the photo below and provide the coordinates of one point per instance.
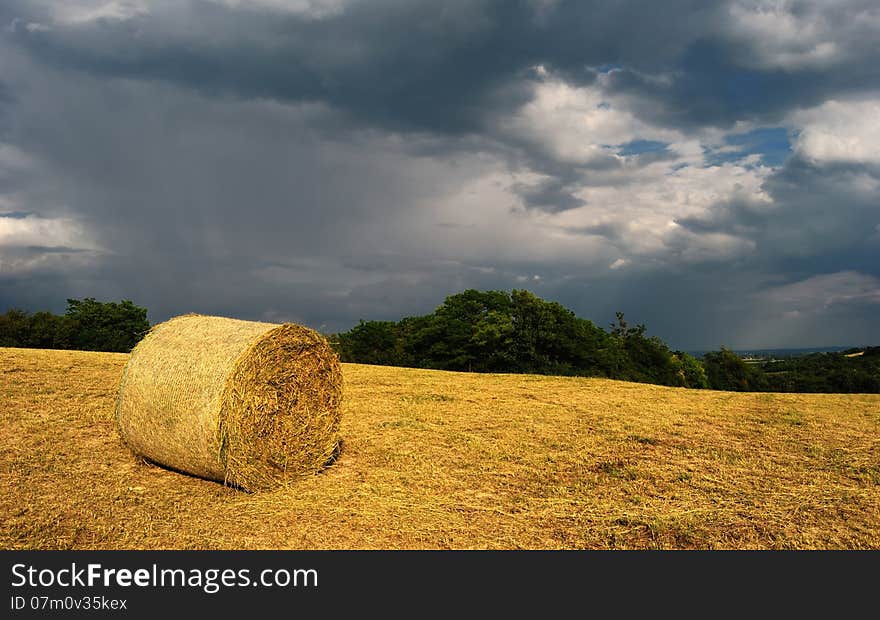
(779, 353)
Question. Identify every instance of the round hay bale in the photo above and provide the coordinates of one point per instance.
(245, 403)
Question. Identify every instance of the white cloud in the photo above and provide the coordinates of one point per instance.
(35, 263)
(35, 231)
(631, 202)
(310, 8)
(846, 131)
(782, 34)
(643, 204)
(82, 11)
(578, 125)
(18, 23)
(30, 242)
(479, 218)
(32, 245)
(801, 34)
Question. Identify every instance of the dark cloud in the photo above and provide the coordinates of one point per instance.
(552, 195)
(819, 216)
(448, 66)
(405, 65)
(611, 231)
(242, 160)
(734, 218)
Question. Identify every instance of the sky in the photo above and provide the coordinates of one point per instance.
(711, 169)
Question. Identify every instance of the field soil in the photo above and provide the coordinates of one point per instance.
(453, 460)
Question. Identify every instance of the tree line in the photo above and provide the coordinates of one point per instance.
(497, 331)
(518, 332)
(87, 325)
(491, 331)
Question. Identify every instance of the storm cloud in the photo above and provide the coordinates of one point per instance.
(711, 169)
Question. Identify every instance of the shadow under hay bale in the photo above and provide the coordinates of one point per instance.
(248, 404)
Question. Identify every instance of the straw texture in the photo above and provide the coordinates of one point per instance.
(245, 403)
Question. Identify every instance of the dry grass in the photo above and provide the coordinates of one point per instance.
(449, 460)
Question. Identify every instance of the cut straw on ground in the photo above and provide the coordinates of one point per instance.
(453, 460)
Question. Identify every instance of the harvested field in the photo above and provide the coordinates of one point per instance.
(450, 460)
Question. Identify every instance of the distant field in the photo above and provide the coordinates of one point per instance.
(451, 460)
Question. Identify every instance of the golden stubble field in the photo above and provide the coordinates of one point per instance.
(452, 460)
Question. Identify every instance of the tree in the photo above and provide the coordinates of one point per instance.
(370, 342)
(105, 326)
(690, 370)
(727, 371)
(493, 339)
(48, 331)
(14, 328)
(623, 331)
(643, 358)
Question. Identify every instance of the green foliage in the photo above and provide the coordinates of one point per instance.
(470, 331)
(491, 331)
(496, 331)
(49, 331)
(370, 342)
(853, 371)
(690, 370)
(41, 330)
(727, 371)
(87, 325)
(106, 326)
(648, 359)
(14, 328)
(826, 372)
(550, 339)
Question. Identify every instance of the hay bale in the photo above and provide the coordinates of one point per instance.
(245, 403)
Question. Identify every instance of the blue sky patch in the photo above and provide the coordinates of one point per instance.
(771, 143)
